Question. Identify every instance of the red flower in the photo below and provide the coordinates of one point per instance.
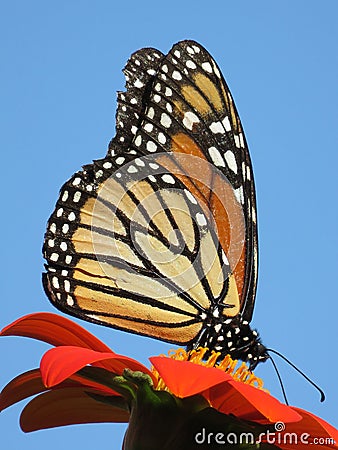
(83, 381)
(247, 403)
(68, 401)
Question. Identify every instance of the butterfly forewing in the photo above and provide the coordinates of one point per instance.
(189, 110)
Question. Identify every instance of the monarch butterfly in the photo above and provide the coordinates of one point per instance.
(159, 238)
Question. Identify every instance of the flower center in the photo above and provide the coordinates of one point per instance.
(238, 371)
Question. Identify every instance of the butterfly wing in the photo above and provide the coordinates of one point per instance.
(133, 252)
(160, 234)
(206, 109)
(188, 108)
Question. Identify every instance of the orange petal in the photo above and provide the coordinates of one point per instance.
(184, 378)
(249, 403)
(67, 407)
(22, 386)
(55, 330)
(311, 431)
(59, 363)
(30, 383)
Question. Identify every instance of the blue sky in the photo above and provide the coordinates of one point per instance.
(61, 66)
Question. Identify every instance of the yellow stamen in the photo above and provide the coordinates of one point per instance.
(227, 364)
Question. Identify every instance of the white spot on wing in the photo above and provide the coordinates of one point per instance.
(120, 160)
(138, 83)
(139, 162)
(241, 140)
(168, 179)
(151, 113)
(138, 140)
(201, 220)
(190, 64)
(77, 196)
(132, 169)
(224, 258)
(216, 157)
(244, 170)
(239, 194)
(237, 143)
(226, 123)
(151, 146)
(231, 161)
(161, 138)
(67, 285)
(217, 72)
(148, 127)
(217, 127)
(190, 196)
(54, 257)
(190, 119)
(165, 120)
(207, 67)
(254, 218)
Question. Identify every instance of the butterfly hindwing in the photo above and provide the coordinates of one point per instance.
(119, 256)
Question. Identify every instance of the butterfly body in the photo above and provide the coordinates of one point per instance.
(234, 337)
(159, 238)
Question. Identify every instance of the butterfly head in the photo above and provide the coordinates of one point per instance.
(248, 346)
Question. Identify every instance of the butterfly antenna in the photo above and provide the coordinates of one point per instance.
(322, 395)
(279, 379)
